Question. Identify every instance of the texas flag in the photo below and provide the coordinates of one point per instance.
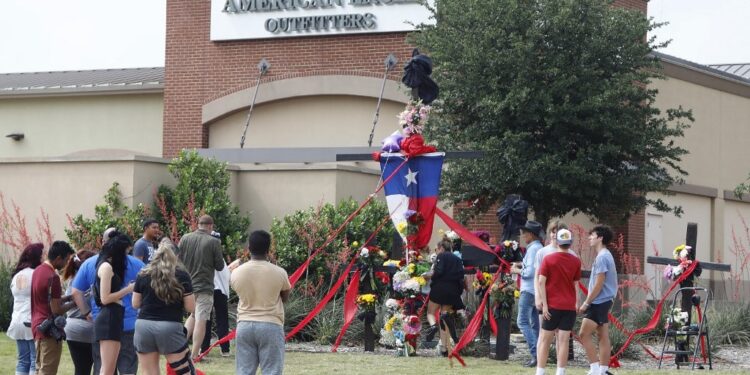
(414, 187)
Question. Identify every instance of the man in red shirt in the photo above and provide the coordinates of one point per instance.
(47, 302)
(561, 271)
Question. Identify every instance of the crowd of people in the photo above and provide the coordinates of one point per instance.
(550, 301)
(121, 308)
(119, 313)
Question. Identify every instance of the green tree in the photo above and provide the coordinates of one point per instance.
(555, 92)
(201, 188)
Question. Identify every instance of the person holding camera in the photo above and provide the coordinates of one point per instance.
(20, 322)
(47, 307)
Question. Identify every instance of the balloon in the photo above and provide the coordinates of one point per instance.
(392, 142)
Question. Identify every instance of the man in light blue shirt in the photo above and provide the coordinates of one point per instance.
(127, 360)
(595, 309)
(532, 234)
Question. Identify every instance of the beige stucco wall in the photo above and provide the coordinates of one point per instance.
(313, 121)
(62, 187)
(717, 140)
(56, 126)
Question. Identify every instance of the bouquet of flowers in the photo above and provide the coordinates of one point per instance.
(680, 253)
(482, 281)
(677, 319)
(504, 293)
(414, 117)
(367, 302)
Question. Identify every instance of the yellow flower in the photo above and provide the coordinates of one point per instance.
(421, 280)
(389, 324)
(516, 294)
(441, 232)
(507, 243)
(391, 263)
(382, 253)
(677, 251)
(355, 244)
(401, 227)
(411, 267)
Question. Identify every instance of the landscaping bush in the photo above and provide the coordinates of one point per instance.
(201, 189)
(87, 233)
(300, 233)
(729, 324)
(6, 297)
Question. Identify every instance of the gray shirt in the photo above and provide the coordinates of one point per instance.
(77, 328)
(201, 254)
(604, 263)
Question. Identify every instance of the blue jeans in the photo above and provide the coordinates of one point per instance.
(26, 357)
(528, 320)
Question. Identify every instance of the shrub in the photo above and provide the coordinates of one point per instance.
(201, 189)
(729, 325)
(6, 297)
(300, 233)
(87, 233)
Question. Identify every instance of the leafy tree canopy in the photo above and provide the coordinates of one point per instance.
(556, 93)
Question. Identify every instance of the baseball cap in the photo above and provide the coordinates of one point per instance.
(564, 237)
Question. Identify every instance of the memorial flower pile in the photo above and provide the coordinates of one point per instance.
(414, 117)
(503, 294)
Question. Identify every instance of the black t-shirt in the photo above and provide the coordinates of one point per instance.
(153, 308)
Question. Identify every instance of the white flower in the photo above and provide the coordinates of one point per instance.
(684, 252)
(514, 245)
(364, 253)
(401, 276)
(433, 257)
(391, 303)
(452, 235)
(677, 271)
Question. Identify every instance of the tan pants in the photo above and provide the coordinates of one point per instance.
(48, 352)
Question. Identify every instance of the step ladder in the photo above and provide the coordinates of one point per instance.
(679, 338)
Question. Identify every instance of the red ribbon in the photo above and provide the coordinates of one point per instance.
(324, 301)
(493, 323)
(473, 328)
(298, 273)
(350, 308)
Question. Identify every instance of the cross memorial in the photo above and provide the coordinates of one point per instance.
(691, 238)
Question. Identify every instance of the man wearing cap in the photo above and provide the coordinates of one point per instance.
(201, 254)
(145, 246)
(561, 271)
(528, 320)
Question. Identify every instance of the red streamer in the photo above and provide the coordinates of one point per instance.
(467, 236)
(323, 302)
(298, 273)
(493, 323)
(350, 308)
(473, 328)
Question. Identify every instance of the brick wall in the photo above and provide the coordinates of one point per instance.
(198, 70)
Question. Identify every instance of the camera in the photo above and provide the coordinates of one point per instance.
(54, 328)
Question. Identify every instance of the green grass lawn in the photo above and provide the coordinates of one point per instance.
(353, 363)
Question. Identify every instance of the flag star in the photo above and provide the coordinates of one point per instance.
(411, 177)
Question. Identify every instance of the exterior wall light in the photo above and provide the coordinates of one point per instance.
(15, 136)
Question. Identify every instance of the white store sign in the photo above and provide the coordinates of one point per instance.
(260, 19)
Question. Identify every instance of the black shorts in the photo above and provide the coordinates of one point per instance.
(563, 320)
(108, 323)
(598, 313)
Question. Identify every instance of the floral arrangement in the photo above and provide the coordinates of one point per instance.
(677, 319)
(410, 227)
(682, 254)
(414, 117)
(482, 281)
(367, 302)
(503, 294)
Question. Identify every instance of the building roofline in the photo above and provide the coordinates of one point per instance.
(701, 68)
(82, 82)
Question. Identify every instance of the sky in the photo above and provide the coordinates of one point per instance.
(53, 35)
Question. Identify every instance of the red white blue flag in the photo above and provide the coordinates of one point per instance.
(413, 189)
